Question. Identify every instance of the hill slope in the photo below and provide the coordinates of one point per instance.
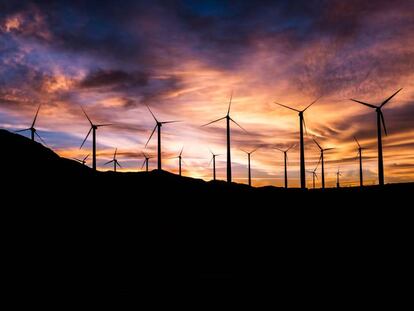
(110, 231)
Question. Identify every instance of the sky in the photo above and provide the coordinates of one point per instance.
(185, 58)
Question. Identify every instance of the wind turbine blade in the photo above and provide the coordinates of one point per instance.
(279, 149)
(290, 147)
(327, 149)
(86, 157)
(116, 149)
(41, 139)
(389, 98)
(87, 116)
(366, 104)
(231, 97)
(287, 107)
(244, 151)
(359, 146)
(238, 125)
(251, 152)
(100, 125)
(143, 164)
(383, 122)
(86, 138)
(151, 135)
(166, 122)
(35, 118)
(181, 152)
(152, 114)
(109, 162)
(317, 143)
(19, 131)
(311, 103)
(317, 165)
(80, 161)
(210, 161)
(304, 124)
(117, 163)
(214, 121)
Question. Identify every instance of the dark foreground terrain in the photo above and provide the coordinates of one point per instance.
(68, 230)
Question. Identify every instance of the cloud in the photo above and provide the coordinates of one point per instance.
(114, 78)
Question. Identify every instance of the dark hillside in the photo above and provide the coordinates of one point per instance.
(116, 231)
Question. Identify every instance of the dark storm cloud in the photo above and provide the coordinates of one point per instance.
(142, 34)
(114, 78)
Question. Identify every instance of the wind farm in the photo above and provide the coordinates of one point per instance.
(150, 144)
(229, 120)
(245, 218)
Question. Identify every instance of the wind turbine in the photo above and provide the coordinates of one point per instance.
(361, 179)
(228, 119)
(248, 164)
(114, 160)
(302, 144)
(93, 129)
(32, 128)
(146, 161)
(83, 161)
(380, 120)
(338, 173)
(314, 175)
(286, 159)
(180, 158)
(157, 127)
(213, 159)
(322, 161)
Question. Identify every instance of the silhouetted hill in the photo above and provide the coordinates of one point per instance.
(116, 232)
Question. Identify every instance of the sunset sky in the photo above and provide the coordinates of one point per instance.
(184, 58)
